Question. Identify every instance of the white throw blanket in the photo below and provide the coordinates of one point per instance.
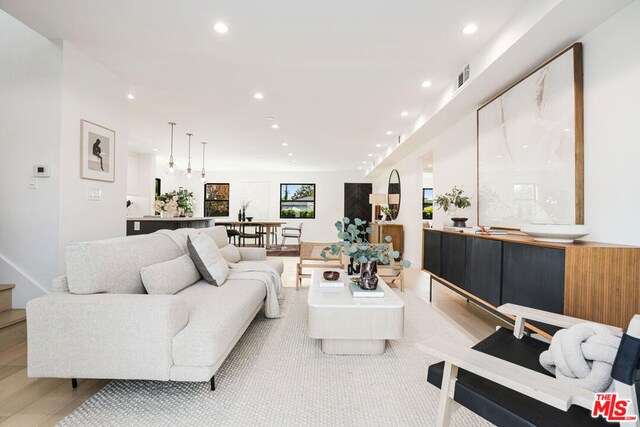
(266, 274)
(583, 354)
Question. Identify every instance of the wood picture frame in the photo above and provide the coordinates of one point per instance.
(97, 152)
(530, 147)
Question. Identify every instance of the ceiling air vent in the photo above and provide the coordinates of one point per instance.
(463, 77)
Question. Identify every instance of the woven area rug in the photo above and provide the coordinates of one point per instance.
(277, 376)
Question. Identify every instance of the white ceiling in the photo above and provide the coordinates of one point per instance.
(335, 74)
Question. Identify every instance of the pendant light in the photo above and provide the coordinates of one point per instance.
(189, 164)
(203, 178)
(171, 168)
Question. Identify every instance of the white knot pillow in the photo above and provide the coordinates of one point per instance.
(582, 354)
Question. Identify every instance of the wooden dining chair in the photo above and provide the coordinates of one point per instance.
(256, 235)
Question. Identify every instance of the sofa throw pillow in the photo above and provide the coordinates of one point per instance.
(208, 259)
(231, 254)
(169, 277)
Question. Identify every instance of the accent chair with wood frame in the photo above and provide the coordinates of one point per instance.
(502, 380)
(310, 258)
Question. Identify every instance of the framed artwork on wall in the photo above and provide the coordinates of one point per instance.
(97, 152)
(216, 199)
(158, 187)
(531, 148)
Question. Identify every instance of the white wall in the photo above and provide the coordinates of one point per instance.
(612, 150)
(329, 195)
(30, 86)
(92, 92)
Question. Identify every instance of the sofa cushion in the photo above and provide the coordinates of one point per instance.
(231, 253)
(218, 234)
(113, 265)
(208, 259)
(169, 277)
(216, 317)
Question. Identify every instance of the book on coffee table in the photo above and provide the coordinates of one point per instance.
(331, 283)
(358, 292)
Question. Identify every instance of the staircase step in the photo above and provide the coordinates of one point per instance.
(13, 328)
(5, 297)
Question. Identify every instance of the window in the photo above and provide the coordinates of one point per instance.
(216, 200)
(427, 203)
(297, 200)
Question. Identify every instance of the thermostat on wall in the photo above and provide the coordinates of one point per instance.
(41, 171)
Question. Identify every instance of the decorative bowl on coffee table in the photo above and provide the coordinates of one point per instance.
(331, 276)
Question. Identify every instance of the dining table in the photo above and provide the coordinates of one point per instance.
(268, 225)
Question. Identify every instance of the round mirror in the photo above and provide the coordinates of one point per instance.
(393, 194)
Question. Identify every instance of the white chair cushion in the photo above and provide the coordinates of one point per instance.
(208, 259)
(169, 277)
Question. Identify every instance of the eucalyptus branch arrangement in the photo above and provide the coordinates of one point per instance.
(353, 243)
(245, 204)
(455, 197)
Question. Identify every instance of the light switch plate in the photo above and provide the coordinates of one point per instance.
(95, 194)
(33, 184)
(41, 171)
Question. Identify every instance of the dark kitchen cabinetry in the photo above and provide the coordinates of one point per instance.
(453, 259)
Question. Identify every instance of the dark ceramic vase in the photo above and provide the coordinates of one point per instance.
(368, 275)
(244, 216)
(240, 215)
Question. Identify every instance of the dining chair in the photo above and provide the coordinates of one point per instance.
(291, 233)
(232, 234)
(256, 235)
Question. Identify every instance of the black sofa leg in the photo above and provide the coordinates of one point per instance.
(74, 382)
(213, 383)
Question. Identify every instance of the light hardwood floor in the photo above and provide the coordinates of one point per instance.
(44, 401)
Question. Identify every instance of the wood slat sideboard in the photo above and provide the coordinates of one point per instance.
(588, 280)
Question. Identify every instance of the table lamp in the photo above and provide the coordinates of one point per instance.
(376, 200)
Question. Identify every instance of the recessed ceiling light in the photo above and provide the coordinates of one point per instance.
(275, 126)
(155, 149)
(499, 156)
(389, 132)
(289, 154)
(370, 155)
(429, 165)
(426, 84)
(470, 29)
(284, 144)
(130, 96)
(364, 162)
(567, 130)
(404, 113)
(525, 146)
(378, 145)
(270, 118)
(258, 95)
(221, 28)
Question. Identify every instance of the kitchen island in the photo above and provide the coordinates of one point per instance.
(151, 224)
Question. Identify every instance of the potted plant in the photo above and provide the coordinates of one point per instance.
(450, 203)
(185, 202)
(354, 244)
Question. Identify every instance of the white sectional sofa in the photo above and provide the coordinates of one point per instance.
(100, 323)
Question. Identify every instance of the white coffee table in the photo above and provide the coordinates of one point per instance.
(348, 325)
